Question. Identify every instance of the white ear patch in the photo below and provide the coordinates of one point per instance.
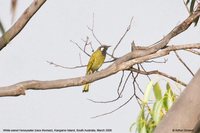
(102, 48)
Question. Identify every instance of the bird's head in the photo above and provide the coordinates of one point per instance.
(103, 48)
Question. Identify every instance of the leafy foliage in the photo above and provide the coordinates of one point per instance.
(150, 115)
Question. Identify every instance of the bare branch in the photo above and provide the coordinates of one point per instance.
(80, 59)
(118, 65)
(92, 30)
(120, 83)
(65, 67)
(154, 61)
(118, 90)
(88, 43)
(193, 51)
(179, 58)
(21, 22)
(188, 10)
(135, 77)
(116, 108)
(134, 88)
(123, 63)
(83, 50)
(159, 73)
(145, 71)
(13, 9)
(127, 30)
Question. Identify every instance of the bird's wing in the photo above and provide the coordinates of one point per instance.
(90, 64)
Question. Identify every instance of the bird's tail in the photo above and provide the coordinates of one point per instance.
(86, 88)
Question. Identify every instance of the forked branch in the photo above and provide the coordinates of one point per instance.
(125, 62)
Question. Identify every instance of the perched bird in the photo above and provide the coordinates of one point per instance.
(95, 62)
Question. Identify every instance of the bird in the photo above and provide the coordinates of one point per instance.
(95, 62)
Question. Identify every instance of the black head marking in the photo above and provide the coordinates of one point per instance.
(103, 48)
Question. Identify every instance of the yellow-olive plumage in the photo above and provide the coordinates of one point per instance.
(95, 62)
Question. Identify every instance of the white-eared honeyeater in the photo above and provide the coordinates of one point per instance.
(95, 62)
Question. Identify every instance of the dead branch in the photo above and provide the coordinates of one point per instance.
(159, 73)
(118, 91)
(184, 64)
(83, 50)
(115, 109)
(188, 10)
(21, 22)
(92, 30)
(118, 65)
(127, 30)
(123, 63)
(65, 67)
(193, 51)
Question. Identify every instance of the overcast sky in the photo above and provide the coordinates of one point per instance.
(47, 37)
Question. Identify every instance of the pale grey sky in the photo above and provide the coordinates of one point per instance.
(47, 37)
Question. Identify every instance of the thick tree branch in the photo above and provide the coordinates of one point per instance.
(163, 42)
(21, 22)
(184, 113)
(19, 88)
(125, 62)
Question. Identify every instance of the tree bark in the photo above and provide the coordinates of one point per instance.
(184, 115)
(21, 22)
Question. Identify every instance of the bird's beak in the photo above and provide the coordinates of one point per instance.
(107, 46)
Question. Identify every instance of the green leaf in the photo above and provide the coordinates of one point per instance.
(147, 92)
(150, 125)
(192, 6)
(157, 111)
(143, 129)
(157, 91)
(131, 127)
(169, 98)
(2, 28)
(140, 121)
(165, 102)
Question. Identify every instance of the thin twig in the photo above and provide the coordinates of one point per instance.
(135, 94)
(188, 10)
(127, 30)
(193, 51)
(153, 61)
(80, 59)
(74, 67)
(135, 77)
(115, 109)
(121, 80)
(159, 73)
(145, 71)
(83, 50)
(87, 43)
(179, 58)
(57, 65)
(92, 30)
(95, 37)
(119, 93)
(120, 83)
